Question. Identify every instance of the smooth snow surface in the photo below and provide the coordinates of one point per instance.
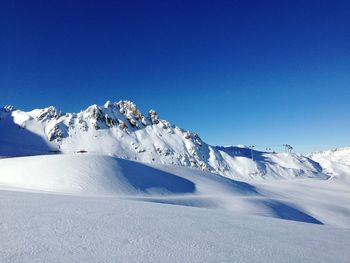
(86, 174)
(55, 228)
(95, 208)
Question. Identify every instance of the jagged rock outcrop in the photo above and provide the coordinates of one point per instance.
(120, 129)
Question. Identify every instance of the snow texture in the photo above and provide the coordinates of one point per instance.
(95, 208)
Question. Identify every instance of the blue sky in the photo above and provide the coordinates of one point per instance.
(236, 72)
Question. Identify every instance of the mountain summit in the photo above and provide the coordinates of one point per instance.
(120, 129)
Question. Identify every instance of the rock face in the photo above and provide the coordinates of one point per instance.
(120, 129)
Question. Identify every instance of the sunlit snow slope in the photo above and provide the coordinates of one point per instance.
(335, 163)
(121, 130)
(97, 175)
(98, 208)
(60, 228)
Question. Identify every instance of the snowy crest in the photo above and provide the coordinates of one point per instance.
(122, 130)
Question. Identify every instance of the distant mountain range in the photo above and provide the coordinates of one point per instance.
(120, 129)
(335, 163)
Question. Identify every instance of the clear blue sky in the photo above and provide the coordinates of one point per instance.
(236, 72)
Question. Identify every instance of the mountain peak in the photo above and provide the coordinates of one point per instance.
(120, 129)
(8, 108)
(48, 113)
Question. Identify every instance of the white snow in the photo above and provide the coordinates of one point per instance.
(56, 228)
(94, 208)
(144, 190)
(335, 163)
(121, 130)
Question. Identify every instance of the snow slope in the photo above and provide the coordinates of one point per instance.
(135, 193)
(240, 163)
(335, 163)
(121, 130)
(55, 228)
(97, 175)
(97, 208)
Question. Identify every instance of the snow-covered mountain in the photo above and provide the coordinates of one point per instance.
(102, 208)
(120, 129)
(334, 162)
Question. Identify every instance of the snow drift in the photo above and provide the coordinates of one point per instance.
(49, 228)
(89, 174)
(85, 207)
(98, 175)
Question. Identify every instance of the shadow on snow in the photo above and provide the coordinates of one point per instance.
(147, 179)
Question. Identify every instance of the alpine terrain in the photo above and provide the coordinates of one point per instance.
(111, 184)
(121, 130)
